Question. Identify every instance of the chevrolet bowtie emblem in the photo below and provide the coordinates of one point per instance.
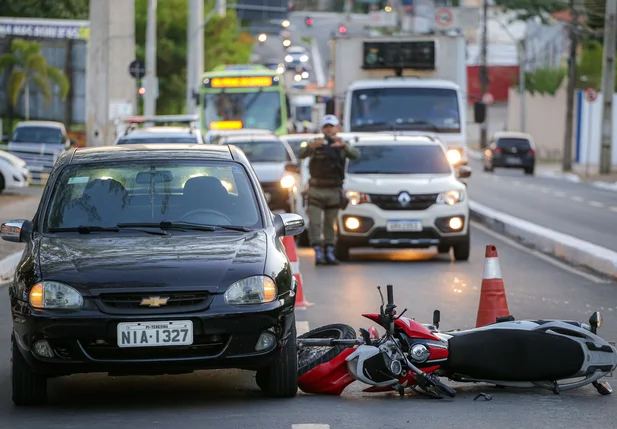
(154, 301)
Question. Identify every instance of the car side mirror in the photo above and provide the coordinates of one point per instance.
(287, 224)
(16, 231)
(595, 321)
(292, 167)
(464, 171)
(479, 112)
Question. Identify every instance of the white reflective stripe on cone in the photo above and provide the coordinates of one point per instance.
(492, 270)
(295, 267)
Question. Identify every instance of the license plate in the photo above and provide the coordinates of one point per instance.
(513, 160)
(404, 225)
(155, 334)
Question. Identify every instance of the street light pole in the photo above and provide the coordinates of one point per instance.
(150, 78)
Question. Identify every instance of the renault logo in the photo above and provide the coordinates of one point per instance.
(154, 301)
(404, 198)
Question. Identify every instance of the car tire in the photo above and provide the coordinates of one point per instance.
(2, 182)
(280, 379)
(488, 169)
(308, 359)
(341, 251)
(29, 388)
(462, 249)
(529, 171)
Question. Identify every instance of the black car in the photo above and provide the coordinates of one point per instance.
(508, 149)
(152, 259)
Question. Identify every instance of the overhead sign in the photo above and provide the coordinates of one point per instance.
(444, 17)
(591, 94)
(240, 82)
(45, 28)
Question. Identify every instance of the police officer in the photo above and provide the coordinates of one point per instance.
(328, 156)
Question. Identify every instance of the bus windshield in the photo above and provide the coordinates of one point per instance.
(260, 109)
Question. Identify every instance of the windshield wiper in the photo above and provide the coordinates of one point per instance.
(87, 229)
(166, 224)
(204, 227)
(419, 122)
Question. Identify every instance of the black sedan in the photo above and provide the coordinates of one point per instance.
(159, 259)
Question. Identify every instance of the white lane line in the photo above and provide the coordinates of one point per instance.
(540, 255)
(577, 198)
(302, 327)
(596, 204)
(613, 208)
(310, 426)
(560, 194)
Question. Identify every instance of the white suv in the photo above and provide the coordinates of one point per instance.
(403, 193)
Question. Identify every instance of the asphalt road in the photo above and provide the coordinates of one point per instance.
(230, 399)
(577, 209)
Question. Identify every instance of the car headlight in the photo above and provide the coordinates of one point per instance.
(356, 198)
(454, 156)
(303, 58)
(305, 75)
(288, 58)
(251, 290)
(54, 295)
(450, 197)
(287, 181)
(280, 69)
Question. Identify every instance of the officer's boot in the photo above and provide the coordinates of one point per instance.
(320, 258)
(330, 256)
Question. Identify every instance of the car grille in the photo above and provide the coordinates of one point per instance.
(130, 303)
(406, 235)
(391, 202)
(40, 162)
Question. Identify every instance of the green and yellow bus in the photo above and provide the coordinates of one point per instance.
(244, 96)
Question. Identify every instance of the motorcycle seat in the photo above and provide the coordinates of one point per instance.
(514, 355)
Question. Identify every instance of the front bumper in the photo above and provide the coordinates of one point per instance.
(18, 178)
(86, 341)
(373, 230)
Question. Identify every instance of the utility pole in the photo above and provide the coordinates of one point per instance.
(522, 63)
(567, 142)
(151, 80)
(608, 85)
(484, 72)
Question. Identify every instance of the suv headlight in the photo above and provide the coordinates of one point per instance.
(450, 197)
(287, 181)
(251, 290)
(56, 296)
(454, 156)
(356, 198)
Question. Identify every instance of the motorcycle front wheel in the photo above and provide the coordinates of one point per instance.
(311, 356)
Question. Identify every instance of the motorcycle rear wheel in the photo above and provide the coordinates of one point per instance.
(310, 357)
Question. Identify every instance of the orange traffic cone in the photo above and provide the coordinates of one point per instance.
(493, 303)
(290, 248)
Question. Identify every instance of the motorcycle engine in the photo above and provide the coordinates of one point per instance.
(392, 358)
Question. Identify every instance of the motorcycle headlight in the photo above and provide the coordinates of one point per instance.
(356, 198)
(56, 296)
(450, 197)
(287, 182)
(251, 290)
(454, 156)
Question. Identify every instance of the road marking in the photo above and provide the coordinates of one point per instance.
(310, 426)
(545, 190)
(516, 183)
(576, 198)
(613, 208)
(560, 194)
(302, 327)
(540, 255)
(596, 203)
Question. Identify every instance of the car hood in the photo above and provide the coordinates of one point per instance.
(395, 183)
(213, 260)
(269, 171)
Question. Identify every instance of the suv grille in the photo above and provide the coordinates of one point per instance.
(391, 202)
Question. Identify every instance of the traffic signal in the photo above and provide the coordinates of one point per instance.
(342, 29)
(141, 91)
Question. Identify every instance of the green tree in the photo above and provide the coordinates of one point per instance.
(527, 9)
(29, 67)
(589, 70)
(594, 11)
(224, 44)
(58, 9)
(544, 81)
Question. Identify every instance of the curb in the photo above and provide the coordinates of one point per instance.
(570, 249)
(8, 265)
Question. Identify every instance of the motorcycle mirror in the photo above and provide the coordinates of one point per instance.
(436, 318)
(381, 295)
(595, 321)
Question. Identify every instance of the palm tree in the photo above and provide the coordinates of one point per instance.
(30, 67)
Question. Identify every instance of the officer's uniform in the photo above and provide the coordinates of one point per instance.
(325, 193)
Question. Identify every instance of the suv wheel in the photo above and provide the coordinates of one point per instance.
(280, 379)
(1, 183)
(462, 249)
(29, 388)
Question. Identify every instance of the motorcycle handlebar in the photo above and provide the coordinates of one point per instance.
(390, 295)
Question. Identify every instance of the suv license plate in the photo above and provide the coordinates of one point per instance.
(404, 226)
(155, 334)
(513, 160)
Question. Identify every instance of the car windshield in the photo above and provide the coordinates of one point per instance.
(260, 109)
(49, 135)
(197, 192)
(400, 159)
(425, 109)
(263, 151)
(155, 140)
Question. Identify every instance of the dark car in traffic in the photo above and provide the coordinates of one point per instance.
(510, 149)
(152, 259)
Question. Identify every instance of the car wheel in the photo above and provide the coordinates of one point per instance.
(341, 251)
(461, 250)
(311, 357)
(443, 249)
(488, 169)
(529, 171)
(29, 388)
(1, 183)
(280, 379)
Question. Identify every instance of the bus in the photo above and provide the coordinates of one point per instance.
(244, 97)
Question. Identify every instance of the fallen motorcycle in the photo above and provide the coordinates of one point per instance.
(549, 354)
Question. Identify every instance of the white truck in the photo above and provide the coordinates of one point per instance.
(404, 84)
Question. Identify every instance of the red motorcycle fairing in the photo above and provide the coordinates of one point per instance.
(329, 378)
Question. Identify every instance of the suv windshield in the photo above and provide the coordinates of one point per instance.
(255, 109)
(424, 109)
(199, 192)
(400, 159)
(36, 134)
(263, 151)
(154, 140)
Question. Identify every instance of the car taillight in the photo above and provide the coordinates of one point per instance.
(531, 152)
(497, 150)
